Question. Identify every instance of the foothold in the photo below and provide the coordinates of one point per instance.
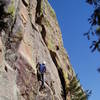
(23, 17)
(25, 2)
(57, 47)
(0, 50)
(53, 81)
(6, 69)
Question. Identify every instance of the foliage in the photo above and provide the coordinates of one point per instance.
(76, 91)
(94, 21)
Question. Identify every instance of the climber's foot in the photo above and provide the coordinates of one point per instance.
(41, 88)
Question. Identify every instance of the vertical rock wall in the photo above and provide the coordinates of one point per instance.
(29, 33)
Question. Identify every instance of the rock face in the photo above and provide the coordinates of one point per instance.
(29, 33)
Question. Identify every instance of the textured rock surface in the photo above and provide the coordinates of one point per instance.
(30, 33)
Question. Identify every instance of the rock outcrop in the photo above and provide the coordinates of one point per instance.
(29, 33)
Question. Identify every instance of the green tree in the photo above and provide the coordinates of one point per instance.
(94, 30)
(94, 21)
(76, 91)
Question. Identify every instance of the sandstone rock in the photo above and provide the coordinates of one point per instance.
(31, 35)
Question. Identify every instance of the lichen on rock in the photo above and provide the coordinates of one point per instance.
(11, 8)
(30, 34)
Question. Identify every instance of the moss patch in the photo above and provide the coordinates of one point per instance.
(46, 22)
(41, 9)
(50, 9)
(50, 44)
(11, 8)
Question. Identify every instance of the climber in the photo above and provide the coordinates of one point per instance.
(41, 69)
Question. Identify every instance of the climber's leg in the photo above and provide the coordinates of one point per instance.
(38, 76)
(42, 80)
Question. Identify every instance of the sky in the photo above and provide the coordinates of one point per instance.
(72, 17)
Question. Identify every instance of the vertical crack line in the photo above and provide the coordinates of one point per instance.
(38, 16)
(43, 34)
(30, 15)
(38, 20)
(60, 73)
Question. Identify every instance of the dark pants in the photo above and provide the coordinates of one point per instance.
(40, 77)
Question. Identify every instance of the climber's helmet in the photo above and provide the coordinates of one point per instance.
(44, 62)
